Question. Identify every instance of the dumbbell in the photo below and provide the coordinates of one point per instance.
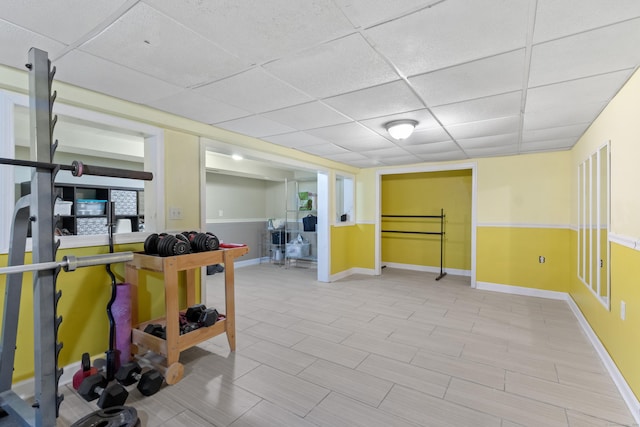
(165, 245)
(202, 315)
(202, 242)
(97, 387)
(157, 330)
(149, 383)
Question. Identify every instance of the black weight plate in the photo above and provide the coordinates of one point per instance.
(181, 248)
(117, 416)
(151, 244)
(185, 239)
(213, 244)
(162, 244)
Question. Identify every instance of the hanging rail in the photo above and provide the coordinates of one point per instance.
(435, 233)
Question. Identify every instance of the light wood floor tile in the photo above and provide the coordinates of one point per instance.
(577, 419)
(287, 391)
(318, 330)
(429, 411)
(341, 411)
(596, 381)
(382, 347)
(185, 418)
(218, 401)
(411, 376)
(505, 405)
(228, 365)
(362, 327)
(337, 353)
(489, 355)
(279, 357)
(577, 399)
(586, 362)
(266, 316)
(461, 368)
(319, 315)
(276, 334)
(267, 414)
(358, 385)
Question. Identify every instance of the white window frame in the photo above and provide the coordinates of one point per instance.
(348, 192)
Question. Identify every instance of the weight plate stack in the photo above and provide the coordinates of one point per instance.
(117, 416)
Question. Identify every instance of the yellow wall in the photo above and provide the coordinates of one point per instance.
(352, 247)
(426, 193)
(619, 124)
(182, 179)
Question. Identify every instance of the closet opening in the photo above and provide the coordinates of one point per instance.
(426, 220)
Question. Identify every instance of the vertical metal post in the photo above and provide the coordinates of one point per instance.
(42, 200)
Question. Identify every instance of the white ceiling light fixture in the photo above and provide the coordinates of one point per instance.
(236, 157)
(401, 129)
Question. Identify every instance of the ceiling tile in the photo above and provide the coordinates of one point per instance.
(589, 90)
(441, 157)
(400, 160)
(491, 107)
(489, 76)
(553, 144)
(367, 163)
(90, 72)
(254, 90)
(423, 117)
(366, 12)
(16, 42)
(61, 20)
(384, 153)
(340, 66)
(153, 43)
(323, 149)
(307, 116)
(556, 19)
(497, 126)
(435, 147)
(599, 51)
(255, 126)
(555, 117)
(492, 151)
(376, 101)
(295, 139)
(426, 136)
(347, 157)
(452, 33)
(260, 30)
(197, 107)
(346, 131)
(562, 132)
(507, 140)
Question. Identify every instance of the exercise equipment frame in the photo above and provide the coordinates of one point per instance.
(437, 233)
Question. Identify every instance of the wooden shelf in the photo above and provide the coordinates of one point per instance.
(174, 344)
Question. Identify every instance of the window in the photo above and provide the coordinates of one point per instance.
(87, 136)
(593, 223)
(344, 199)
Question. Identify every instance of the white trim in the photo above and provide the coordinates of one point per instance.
(626, 241)
(624, 389)
(350, 272)
(343, 224)
(368, 222)
(522, 225)
(248, 262)
(428, 269)
(519, 290)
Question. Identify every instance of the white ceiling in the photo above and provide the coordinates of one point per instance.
(482, 78)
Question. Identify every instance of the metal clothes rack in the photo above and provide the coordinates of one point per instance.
(440, 233)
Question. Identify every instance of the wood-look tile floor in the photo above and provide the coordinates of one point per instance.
(397, 350)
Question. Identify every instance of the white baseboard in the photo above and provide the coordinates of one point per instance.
(352, 271)
(627, 394)
(427, 268)
(624, 389)
(26, 389)
(519, 290)
(246, 263)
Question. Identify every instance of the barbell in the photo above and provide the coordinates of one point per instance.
(70, 263)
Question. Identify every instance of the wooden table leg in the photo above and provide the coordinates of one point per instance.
(229, 277)
(171, 310)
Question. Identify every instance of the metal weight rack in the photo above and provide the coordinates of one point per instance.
(37, 208)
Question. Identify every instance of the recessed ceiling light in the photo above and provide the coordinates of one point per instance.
(236, 157)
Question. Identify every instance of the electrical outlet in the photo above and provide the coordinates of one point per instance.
(623, 310)
(220, 212)
(175, 213)
(541, 259)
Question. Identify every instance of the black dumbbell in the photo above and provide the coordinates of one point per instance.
(202, 315)
(97, 387)
(157, 330)
(149, 383)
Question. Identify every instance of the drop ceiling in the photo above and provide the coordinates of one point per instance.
(482, 78)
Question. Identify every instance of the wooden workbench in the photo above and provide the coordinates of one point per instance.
(175, 343)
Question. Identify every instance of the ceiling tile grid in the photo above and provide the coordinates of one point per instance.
(490, 78)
